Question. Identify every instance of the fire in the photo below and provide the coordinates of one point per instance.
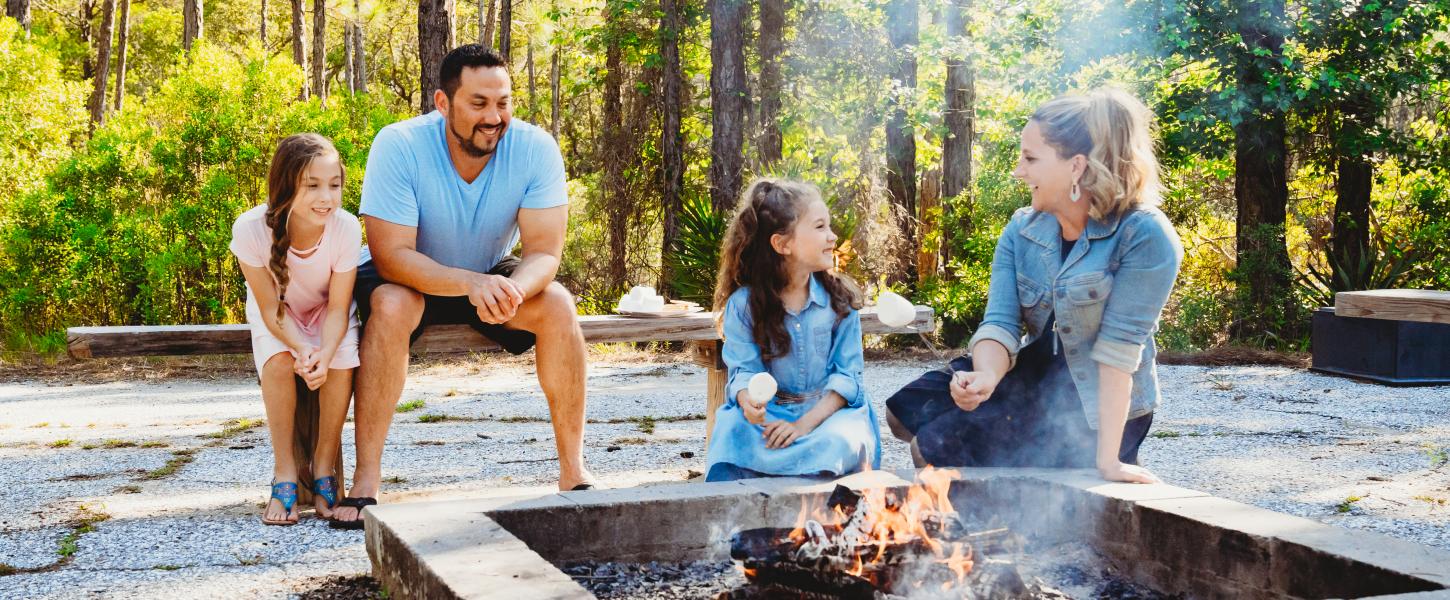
(881, 520)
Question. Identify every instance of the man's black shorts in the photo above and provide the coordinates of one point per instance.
(445, 310)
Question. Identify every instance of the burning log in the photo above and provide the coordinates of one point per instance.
(863, 545)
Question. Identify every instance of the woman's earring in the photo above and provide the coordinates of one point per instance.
(1076, 193)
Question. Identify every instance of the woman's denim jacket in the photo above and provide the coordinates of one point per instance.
(1107, 294)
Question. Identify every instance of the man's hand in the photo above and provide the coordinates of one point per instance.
(970, 389)
(496, 297)
(781, 434)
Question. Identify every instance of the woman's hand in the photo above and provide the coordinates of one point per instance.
(970, 389)
(781, 434)
(1118, 471)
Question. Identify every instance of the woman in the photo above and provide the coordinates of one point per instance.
(1061, 372)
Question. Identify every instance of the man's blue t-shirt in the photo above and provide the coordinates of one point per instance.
(410, 180)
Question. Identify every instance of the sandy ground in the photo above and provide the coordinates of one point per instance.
(91, 510)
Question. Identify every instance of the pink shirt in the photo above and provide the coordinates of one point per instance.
(309, 271)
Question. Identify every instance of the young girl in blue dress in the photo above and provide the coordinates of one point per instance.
(785, 313)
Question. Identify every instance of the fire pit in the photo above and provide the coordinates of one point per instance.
(988, 533)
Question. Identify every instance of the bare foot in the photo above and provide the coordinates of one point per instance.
(569, 483)
(362, 487)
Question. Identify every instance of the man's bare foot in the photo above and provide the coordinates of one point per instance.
(363, 486)
(584, 477)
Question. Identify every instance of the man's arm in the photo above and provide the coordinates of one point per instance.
(541, 232)
(395, 252)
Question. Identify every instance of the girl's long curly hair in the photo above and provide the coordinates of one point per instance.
(284, 177)
(769, 207)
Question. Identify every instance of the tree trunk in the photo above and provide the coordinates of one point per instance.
(435, 39)
(1261, 189)
(505, 29)
(554, 93)
(902, 30)
(611, 148)
(125, 25)
(771, 44)
(729, 99)
(349, 69)
(672, 139)
(20, 11)
(359, 50)
(1350, 250)
(88, 16)
(103, 65)
(299, 42)
(533, 105)
(263, 27)
(486, 23)
(191, 20)
(319, 49)
(960, 121)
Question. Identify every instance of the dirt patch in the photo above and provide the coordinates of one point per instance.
(357, 587)
(1225, 356)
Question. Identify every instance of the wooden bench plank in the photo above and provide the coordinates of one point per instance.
(1425, 306)
(162, 340)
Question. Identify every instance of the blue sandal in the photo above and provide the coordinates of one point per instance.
(327, 488)
(286, 493)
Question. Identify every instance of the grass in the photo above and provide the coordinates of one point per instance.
(235, 427)
(1438, 456)
(394, 479)
(1348, 504)
(409, 406)
(432, 418)
(1164, 434)
(85, 522)
(41, 425)
(61, 443)
(1432, 500)
(179, 459)
(114, 444)
(167, 567)
(522, 419)
(7, 570)
(630, 441)
(128, 489)
(155, 444)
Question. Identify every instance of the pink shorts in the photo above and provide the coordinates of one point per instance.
(265, 345)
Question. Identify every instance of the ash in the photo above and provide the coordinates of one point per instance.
(1072, 570)
(657, 580)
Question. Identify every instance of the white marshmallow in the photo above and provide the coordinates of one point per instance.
(893, 310)
(762, 387)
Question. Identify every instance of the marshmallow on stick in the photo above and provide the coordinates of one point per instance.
(893, 310)
(762, 388)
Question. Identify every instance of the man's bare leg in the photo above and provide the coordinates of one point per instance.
(396, 312)
(560, 355)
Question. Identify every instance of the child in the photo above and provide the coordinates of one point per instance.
(785, 313)
(299, 254)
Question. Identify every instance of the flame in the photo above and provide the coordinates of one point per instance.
(883, 519)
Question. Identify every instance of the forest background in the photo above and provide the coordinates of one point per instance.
(1304, 141)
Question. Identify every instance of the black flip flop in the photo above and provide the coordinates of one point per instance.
(359, 504)
(583, 487)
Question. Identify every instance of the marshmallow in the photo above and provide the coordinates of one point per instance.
(762, 387)
(641, 298)
(893, 310)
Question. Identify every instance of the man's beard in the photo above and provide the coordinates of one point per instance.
(471, 149)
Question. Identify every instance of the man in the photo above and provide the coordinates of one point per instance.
(445, 198)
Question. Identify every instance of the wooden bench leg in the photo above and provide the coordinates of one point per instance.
(707, 354)
(306, 423)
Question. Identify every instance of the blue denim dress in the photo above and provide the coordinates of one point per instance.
(825, 355)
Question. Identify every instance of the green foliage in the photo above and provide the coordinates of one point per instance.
(702, 232)
(133, 228)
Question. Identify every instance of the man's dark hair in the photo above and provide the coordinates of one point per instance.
(450, 75)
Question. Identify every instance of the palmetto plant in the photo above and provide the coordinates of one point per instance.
(1389, 264)
(702, 232)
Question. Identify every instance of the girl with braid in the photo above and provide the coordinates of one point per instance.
(784, 312)
(299, 254)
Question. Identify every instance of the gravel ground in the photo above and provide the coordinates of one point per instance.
(90, 510)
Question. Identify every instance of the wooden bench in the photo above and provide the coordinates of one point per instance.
(698, 329)
(1398, 337)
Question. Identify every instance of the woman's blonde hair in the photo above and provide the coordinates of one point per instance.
(1111, 128)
